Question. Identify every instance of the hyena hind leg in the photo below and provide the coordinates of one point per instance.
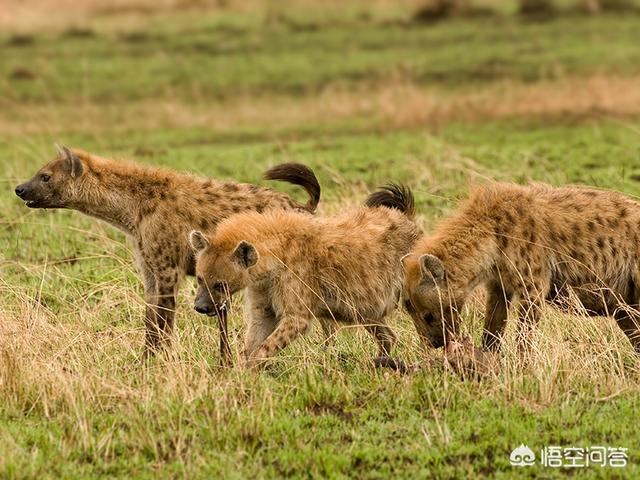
(628, 320)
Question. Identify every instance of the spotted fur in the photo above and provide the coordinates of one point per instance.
(528, 244)
(156, 208)
(297, 268)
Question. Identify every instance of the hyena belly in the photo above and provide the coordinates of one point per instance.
(598, 292)
(335, 305)
(362, 306)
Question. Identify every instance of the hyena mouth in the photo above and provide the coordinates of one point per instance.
(219, 310)
(43, 203)
(37, 204)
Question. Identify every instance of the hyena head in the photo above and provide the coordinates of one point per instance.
(221, 272)
(428, 298)
(53, 186)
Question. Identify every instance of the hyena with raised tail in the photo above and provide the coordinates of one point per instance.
(297, 268)
(157, 208)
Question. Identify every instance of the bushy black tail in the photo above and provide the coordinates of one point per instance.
(297, 174)
(393, 195)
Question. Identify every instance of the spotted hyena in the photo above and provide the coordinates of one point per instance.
(157, 208)
(528, 244)
(297, 268)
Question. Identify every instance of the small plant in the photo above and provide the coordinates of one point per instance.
(615, 5)
(434, 10)
(536, 8)
(594, 7)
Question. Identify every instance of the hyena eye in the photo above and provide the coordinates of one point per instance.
(200, 281)
(45, 178)
(407, 306)
(428, 318)
(219, 287)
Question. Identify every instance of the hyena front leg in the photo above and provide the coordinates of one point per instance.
(159, 259)
(160, 309)
(529, 311)
(151, 322)
(386, 340)
(495, 317)
(261, 322)
(329, 329)
(384, 336)
(288, 329)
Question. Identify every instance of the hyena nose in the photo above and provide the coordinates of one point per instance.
(201, 309)
(20, 191)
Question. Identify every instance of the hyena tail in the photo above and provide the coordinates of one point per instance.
(298, 174)
(394, 195)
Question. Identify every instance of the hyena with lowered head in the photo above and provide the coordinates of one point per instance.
(528, 244)
(157, 208)
(297, 268)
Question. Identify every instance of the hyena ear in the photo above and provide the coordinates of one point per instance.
(245, 255)
(431, 268)
(198, 241)
(403, 259)
(75, 164)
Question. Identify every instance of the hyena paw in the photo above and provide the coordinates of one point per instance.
(385, 361)
(255, 361)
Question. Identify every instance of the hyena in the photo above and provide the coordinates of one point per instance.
(528, 244)
(297, 268)
(157, 208)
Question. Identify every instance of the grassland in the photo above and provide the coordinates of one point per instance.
(362, 95)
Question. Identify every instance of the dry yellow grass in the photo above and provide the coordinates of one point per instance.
(75, 363)
(29, 15)
(77, 403)
(395, 103)
(73, 377)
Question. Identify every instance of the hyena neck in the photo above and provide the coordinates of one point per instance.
(119, 193)
(111, 206)
(269, 264)
(467, 250)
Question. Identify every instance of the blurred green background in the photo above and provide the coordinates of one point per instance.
(439, 94)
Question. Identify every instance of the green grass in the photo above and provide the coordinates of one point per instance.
(211, 60)
(75, 402)
(345, 423)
